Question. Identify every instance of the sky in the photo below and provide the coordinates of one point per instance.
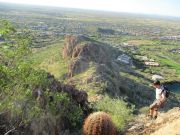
(156, 7)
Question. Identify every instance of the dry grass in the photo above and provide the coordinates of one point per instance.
(140, 42)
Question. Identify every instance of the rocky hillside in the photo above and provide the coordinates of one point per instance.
(55, 120)
(95, 67)
(83, 50)
(166, 124)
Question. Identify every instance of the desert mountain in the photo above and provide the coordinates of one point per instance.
(94, 65)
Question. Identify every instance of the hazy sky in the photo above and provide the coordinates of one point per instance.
(162, 7)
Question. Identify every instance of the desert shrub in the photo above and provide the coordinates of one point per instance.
(5, 27)
(118, 110)
(62, 106)
(75, 116)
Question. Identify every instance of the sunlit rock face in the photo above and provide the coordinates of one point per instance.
(82, 50)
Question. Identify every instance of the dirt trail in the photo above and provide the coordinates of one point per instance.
(166, 124)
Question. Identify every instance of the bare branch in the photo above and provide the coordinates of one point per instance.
(9, 131)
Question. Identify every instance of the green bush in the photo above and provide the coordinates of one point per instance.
(62, 106)
(118, 110)
(18, 80)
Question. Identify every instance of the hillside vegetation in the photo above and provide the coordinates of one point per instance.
(91, 67)
(31, 97)
(57, 66)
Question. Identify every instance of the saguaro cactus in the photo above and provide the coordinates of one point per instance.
(98, 123)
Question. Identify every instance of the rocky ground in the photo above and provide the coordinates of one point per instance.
(166, 124)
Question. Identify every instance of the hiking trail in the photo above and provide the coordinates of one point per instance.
(167, 123)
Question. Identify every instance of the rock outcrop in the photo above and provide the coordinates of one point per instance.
(109, 75)
(78, 96)
(85, 53)
(82, 50)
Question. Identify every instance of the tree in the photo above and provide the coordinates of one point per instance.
(17, 76)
